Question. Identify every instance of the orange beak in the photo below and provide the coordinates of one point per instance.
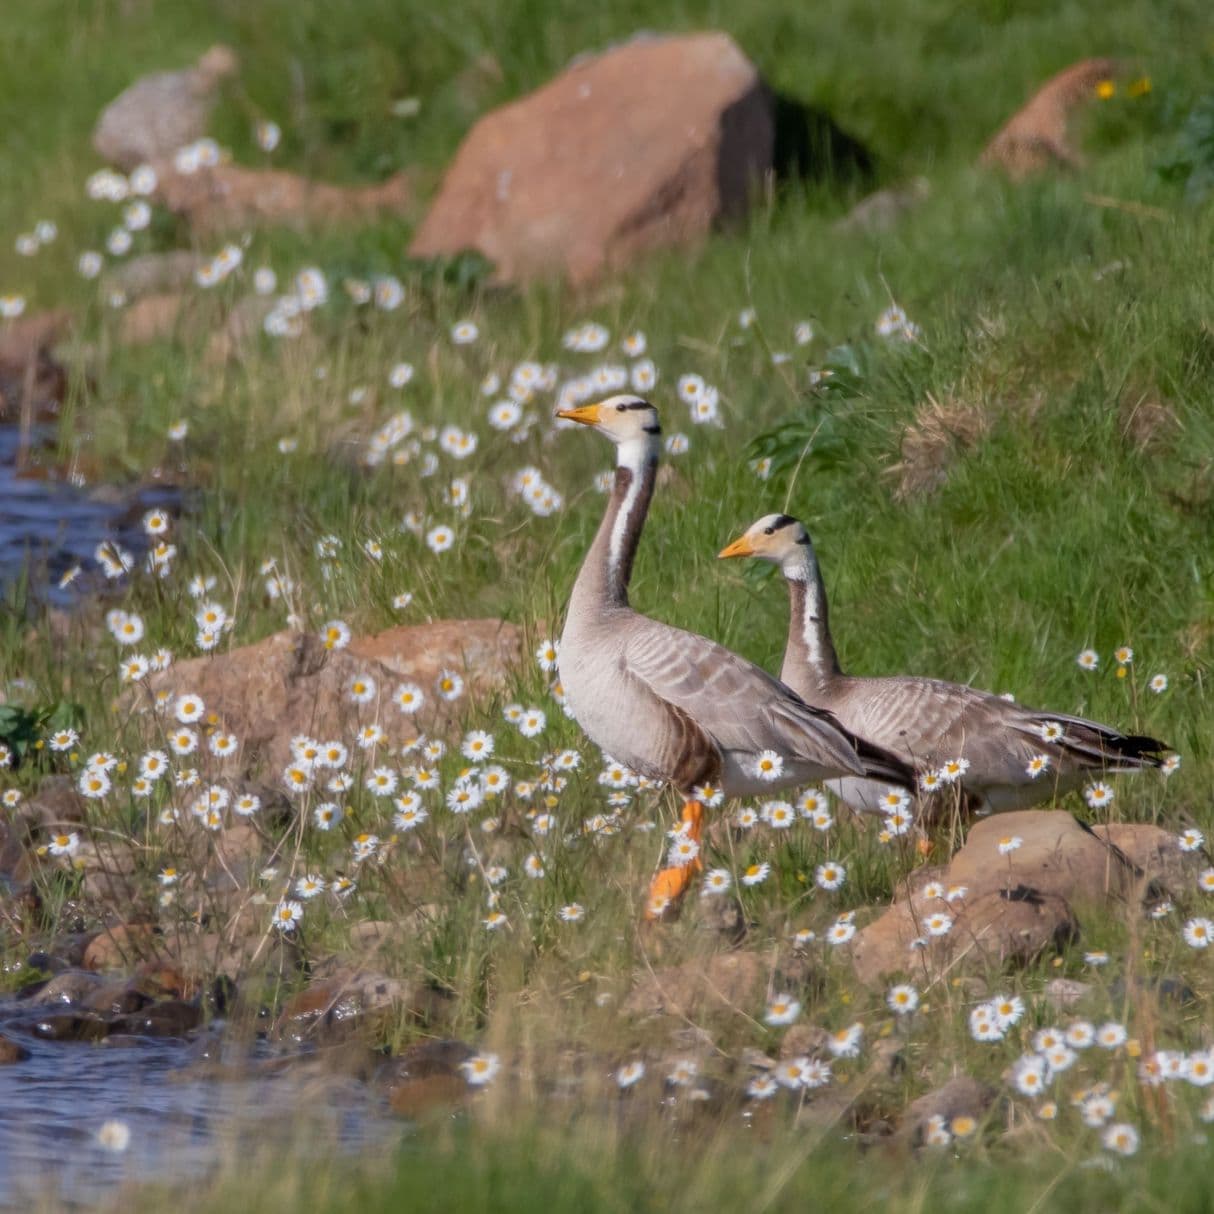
(740, 547)
(588, 415)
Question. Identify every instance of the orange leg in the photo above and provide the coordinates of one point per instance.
(669, 886)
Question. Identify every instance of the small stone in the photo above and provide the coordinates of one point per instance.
(722, 981)
(162, 112)
(69, 987)
(69, 1026)
(1066, 993)
(172, 1018)
(961, 1096)
(225, 197)
(1037, 136)
(337, 1007)
(11, 1051)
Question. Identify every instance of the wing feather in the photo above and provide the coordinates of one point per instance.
(740, 706)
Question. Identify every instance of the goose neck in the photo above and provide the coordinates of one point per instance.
(810, 655)
(607, 569)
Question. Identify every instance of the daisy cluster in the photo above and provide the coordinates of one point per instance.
(515, 795)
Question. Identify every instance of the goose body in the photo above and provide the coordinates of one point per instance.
(671, 704)
(1013, 756)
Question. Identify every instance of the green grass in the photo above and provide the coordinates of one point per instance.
(1049, 315)
(603, 1165)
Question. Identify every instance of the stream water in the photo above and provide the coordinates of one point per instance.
(47, 526)
(183, 1122)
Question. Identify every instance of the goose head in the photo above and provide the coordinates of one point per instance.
(625, 419)
(777, 538)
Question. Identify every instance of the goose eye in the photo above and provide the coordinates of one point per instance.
(620, 408)
(769, 531)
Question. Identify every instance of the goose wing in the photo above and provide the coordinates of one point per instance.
(741, 707)
(929, 721)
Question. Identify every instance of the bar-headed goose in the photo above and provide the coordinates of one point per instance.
(672, 705)
(1010, 756)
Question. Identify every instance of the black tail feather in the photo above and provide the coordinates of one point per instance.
(882, 764)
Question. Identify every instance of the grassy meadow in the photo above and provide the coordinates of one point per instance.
(1054, 410)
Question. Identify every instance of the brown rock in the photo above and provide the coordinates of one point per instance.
(1058, 854)
(69, 1026)
(805, 1039)
(69, 987)
(1066, 993)
(649, 144)
(55, 805)
(338, 1006)
(289, 683)
(426, 1077)
(121, 947)
(31, 380)
(108, 866)
(1156, 854)
(480, 650)
(1036, 137)
(240, 944)
(961, 1096)
(154, 273)
(23, 339)
(13, 856)
(11, 1051)
(239, 851)
(172, 1018)
(227, 196)
(162, 112)
(733, 980)
(115, 999)
(369, 936)
(152, 318)
(880, 211)
(992, 928)
(242, 325)
(1012, 926)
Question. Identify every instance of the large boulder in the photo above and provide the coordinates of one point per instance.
(1055, 854)
(991, 929)
(649, 144)
(1024, 875)
(290, 684)
(162, 112)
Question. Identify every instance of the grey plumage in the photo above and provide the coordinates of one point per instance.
(668, 703)
(926, 721)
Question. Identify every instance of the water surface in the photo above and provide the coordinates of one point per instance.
(184, 1124)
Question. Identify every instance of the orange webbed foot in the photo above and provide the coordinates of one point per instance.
(667, 889)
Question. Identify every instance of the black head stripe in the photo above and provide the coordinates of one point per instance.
(625, 406)
(783, 521)
(654, 429)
